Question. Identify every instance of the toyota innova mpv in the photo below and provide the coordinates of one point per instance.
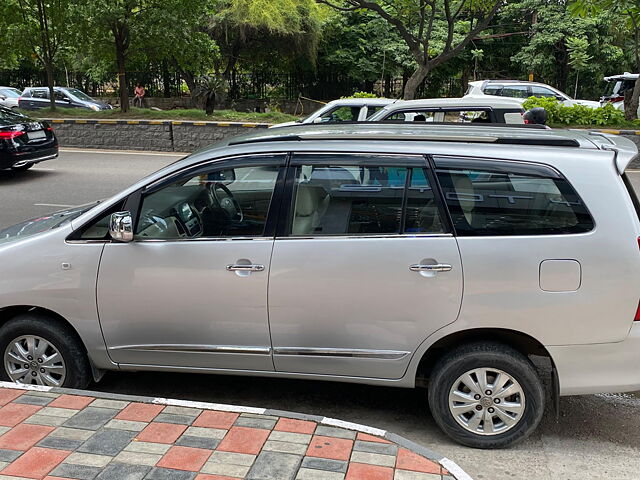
(472, 259)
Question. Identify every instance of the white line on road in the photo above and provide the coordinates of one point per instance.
(52, 205)
(124, 152)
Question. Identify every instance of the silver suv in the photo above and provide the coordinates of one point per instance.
(472, 259)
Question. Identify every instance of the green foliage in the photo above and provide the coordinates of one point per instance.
(362, 95)
(562, 115)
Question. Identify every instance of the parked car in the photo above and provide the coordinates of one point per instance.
(350, 248)
(9, 97)
(616, 87)
(344, 110)
(522, 90)
(453, 110)
(24, 141)
(33, 98)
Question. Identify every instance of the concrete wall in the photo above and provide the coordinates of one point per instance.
(160, 135)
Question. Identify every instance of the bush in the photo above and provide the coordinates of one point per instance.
(362, 95)
(560, 114)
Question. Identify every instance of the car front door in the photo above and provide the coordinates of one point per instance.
(191, 289)
(364, 269)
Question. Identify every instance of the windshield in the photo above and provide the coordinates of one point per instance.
(45, 223)
(10, 92)
(80, 95)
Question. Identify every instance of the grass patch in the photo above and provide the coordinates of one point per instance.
(177, 114)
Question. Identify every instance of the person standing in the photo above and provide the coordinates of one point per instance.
(140, 92)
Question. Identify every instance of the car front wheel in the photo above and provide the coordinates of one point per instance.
(486, 395)
(38, 350)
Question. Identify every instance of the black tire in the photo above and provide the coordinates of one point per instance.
(485, 355)
(23, 167)
(58, 334)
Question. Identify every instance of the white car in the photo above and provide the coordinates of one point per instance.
(484, 109)
(9, 97)
(522, 90)
(617, 85)
(343, 110)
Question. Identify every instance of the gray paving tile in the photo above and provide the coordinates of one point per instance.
(107, 442)
(198, 442)
(285, 447)
(47, 420)
(158, 473)
(335, 432)
(123, 471)
(274, 466)
(104, 403)
(325, 464)
(172, 418)
(375, 447)
(4, 430)
(373, 459)
(33, 400)
(9, 455)
(409, 475)
(71, 433)
(88, 459)
(82, 472)
(192, 412)
(255, 422)
(311, 474)
(91, 418)
(60, 443)
(2, 466)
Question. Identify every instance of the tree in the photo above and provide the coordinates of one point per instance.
(43, 27)
(435, 31)
(629, 10)
(578, 57)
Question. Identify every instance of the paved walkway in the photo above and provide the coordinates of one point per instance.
(63, 434)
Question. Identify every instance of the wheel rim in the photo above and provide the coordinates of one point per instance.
(34, 361)
(486, 401)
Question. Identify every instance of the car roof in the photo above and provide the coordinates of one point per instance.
(361, 101)
(624, 76)
(469, 101)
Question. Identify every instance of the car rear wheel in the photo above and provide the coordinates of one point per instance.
(486, 395)
(22, 168)
(39, 350)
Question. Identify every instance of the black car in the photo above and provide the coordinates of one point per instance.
(33, 98)
(24, 141)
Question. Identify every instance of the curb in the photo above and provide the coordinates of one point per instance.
(95, 121)
(454, 469)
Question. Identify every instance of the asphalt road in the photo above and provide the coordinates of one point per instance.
(595, 437)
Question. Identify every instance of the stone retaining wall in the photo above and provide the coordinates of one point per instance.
(159, 135)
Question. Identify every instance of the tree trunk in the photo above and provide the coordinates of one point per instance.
(121, 41)
(50, 82)
(415, 80)
(631, 100)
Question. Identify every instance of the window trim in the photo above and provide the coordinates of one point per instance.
(409, 161)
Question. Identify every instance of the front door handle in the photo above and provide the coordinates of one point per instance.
(244, 268)
(438, 267)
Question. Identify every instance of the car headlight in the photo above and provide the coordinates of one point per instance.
(95, 108)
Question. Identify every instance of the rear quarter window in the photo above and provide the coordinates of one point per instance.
(484, 202)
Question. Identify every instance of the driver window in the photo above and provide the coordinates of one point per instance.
(231, 202)
(342, 114)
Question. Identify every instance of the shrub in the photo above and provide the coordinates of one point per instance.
(576, 114)
(362, 95)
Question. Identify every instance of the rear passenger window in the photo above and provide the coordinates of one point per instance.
(483, 202)
(363, 200)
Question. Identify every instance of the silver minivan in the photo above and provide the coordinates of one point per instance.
(475, 260)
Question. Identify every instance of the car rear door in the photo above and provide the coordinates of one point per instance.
(363, 269)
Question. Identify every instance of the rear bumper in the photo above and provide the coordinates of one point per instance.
(17, 159)
(599, 368)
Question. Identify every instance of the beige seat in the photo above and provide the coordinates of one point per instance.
(308, 201)
(465, 192)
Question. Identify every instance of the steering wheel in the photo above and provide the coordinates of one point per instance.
(227, 202)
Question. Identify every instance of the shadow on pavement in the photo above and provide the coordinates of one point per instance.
(8, 177)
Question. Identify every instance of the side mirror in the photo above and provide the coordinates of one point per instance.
(2, 97)
(318, 120)
(560, 98)
(121, 227)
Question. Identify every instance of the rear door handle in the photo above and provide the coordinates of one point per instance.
(438, 267)
(244, 268)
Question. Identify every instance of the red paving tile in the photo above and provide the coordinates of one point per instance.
(161, 432)
(185, 458)
(76, 402)
(365, 437)
(361, 471)
(330, 447)
(140, 412)
(212, 419)
(408, 460)
(244, 440)
(36, 463)
(24, 436)
(295, 426)
(205, 476)
(7, 395)
(48, 477)
(14, 413)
